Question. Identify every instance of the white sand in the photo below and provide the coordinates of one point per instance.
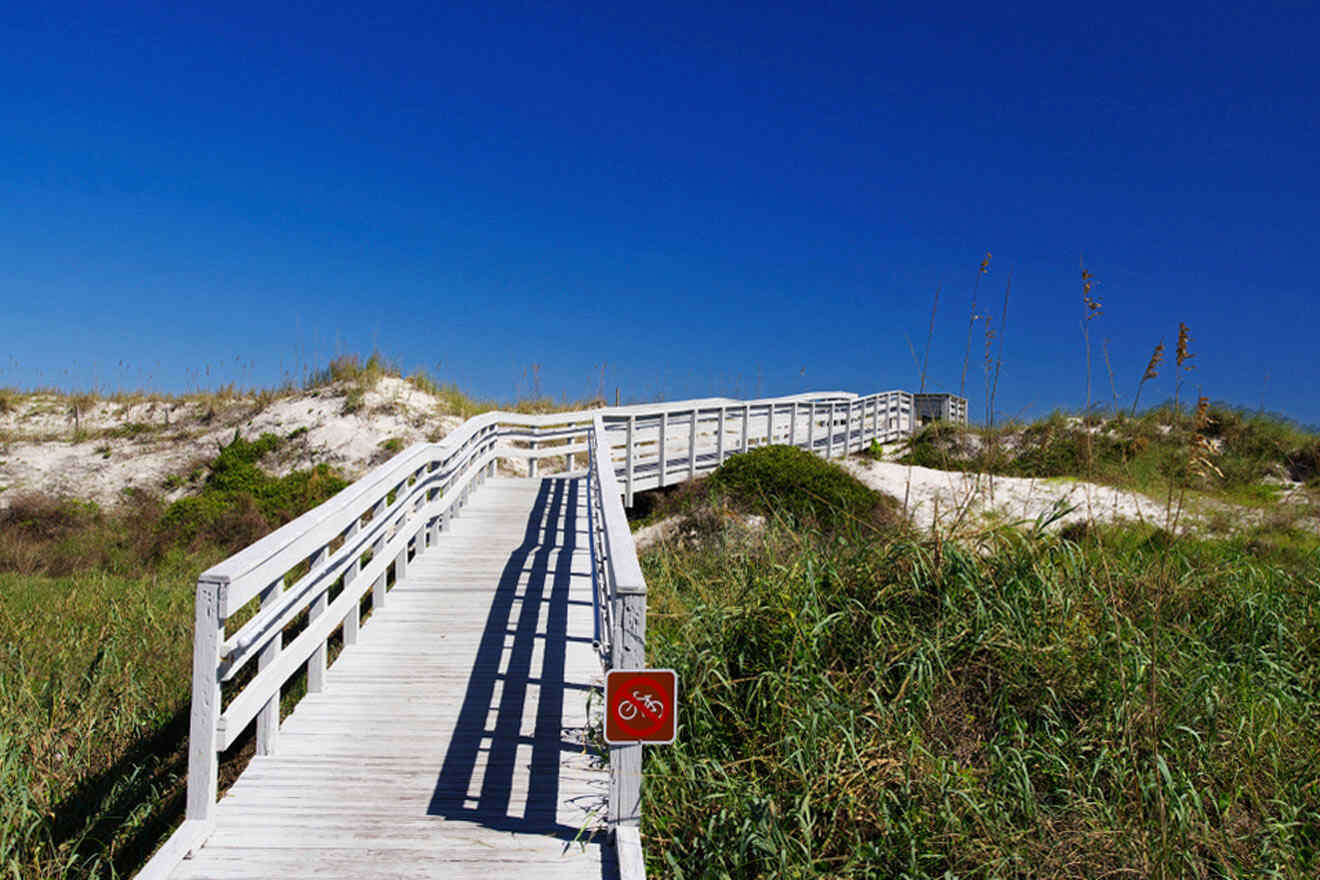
(37, 452)
(954, 499)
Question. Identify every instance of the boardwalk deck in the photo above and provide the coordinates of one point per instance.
(449, 742)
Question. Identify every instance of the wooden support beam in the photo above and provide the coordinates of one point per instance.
(268, 719)
(627, 461)
(719, 436)
(316, 664)
(203, 762)
(625, 801)
(692, 446)
(664, 423)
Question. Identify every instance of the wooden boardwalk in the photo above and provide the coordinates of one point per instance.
(449, 741)
(448, 738)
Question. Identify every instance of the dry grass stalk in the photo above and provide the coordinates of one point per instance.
(1152, 371)
(1093, 311)
(971, 323)
(930, 335)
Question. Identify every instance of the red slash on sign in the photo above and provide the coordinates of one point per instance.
(640, 706)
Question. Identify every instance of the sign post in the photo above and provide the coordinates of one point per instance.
(641, 706)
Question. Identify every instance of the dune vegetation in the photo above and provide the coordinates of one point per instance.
(861, 699)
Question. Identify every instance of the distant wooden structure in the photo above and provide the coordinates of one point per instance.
(930, 408)
(476, 613)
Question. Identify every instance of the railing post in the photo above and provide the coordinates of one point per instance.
(317, 662)
(792, 425)
(401, 561)
(692, 446)
(629, 652)
(829, 430)
(531, 460)
(847, 431)
(378, 585)
(719, 437)
(268, 719)
(746, 426)
(203, 761)
(352, 620)
(664, 423)
(434, 524)
(628, 461)
(811, 429)
(770, 425)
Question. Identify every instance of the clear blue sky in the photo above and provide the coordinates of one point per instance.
(706, 199)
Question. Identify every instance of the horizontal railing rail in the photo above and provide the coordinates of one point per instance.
(317, 570)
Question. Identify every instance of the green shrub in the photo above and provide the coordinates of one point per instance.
(240, 502)
(810, 489)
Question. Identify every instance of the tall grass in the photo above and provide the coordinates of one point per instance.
(94, 675)
(861, 708)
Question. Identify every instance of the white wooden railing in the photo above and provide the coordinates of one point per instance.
(319, 567)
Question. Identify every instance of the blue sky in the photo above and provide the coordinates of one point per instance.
(739, 200)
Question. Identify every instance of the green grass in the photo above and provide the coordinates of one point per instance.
(888, 708)
(95, 646)
(94, 678)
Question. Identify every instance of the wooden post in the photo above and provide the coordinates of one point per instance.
(268, 719)
(829, 431)
(378, 585)
(203, 761)
(316, 663)
(434, 525)
(847, 431)
(625, 803)
(770, 425)
(746, 427)
(531, 461)
(401, 563)
(353, 619)
(664, 422)
(627, 460)
(692, 446)
(792, 425)
(811, 429)
(719, 437)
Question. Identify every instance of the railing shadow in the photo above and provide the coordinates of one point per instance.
(536, 579)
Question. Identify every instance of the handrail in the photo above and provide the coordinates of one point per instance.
(372, 529)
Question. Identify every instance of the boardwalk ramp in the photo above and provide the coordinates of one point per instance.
(451, 626)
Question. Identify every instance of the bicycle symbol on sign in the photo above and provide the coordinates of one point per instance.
(642, 706)
(628, 709)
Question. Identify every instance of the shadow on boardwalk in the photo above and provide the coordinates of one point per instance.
(528, 588)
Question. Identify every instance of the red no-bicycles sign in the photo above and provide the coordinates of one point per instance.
(641, 706)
